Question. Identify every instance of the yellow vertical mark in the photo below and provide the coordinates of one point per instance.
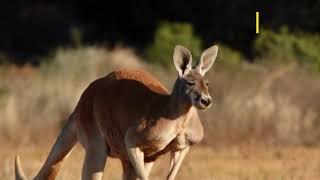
(257, 22)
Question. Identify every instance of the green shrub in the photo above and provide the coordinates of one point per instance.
(76, 36)
(166, 37)
(284, 45)
(3, 58)
(228, 56)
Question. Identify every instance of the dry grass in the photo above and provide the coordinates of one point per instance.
(240, 162)
(277, 106)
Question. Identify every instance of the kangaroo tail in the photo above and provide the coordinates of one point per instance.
(60, 151)
(18, 170)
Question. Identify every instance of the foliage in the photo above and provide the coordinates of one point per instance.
(3, 58)
(30, 29)
(166, 37)
(77, 36)
(297, 46)
(229, 57)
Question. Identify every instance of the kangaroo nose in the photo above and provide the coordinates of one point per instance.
(206, 101)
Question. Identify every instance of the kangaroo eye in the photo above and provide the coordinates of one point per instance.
(191, 83)
(207, 83)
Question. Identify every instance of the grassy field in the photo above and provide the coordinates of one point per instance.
(264, 124)
(240, 162)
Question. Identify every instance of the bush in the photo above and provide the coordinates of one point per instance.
(3, 58)
(299, 46)
(166, 37)
(229, 57)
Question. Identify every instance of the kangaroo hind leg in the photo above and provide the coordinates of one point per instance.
(60, 151)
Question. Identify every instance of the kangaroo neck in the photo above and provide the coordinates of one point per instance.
(178, 105)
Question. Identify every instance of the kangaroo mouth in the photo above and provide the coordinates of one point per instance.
(202, 103)
(202, 106)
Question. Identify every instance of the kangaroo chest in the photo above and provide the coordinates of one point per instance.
(181, 141)
(186, 137)
(189, 132)
(173, 139)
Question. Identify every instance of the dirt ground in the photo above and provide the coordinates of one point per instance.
(247, 162)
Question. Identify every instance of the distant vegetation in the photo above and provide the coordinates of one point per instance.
(284, 45)
(170, 34)
(229, 57)
(166, 37)
(35, 28)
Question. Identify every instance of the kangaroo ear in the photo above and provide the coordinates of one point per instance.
(207, 59)
(182, 60)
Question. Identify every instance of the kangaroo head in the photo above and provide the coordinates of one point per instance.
(191, 83)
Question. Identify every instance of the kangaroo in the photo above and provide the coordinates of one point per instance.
(130, 115)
